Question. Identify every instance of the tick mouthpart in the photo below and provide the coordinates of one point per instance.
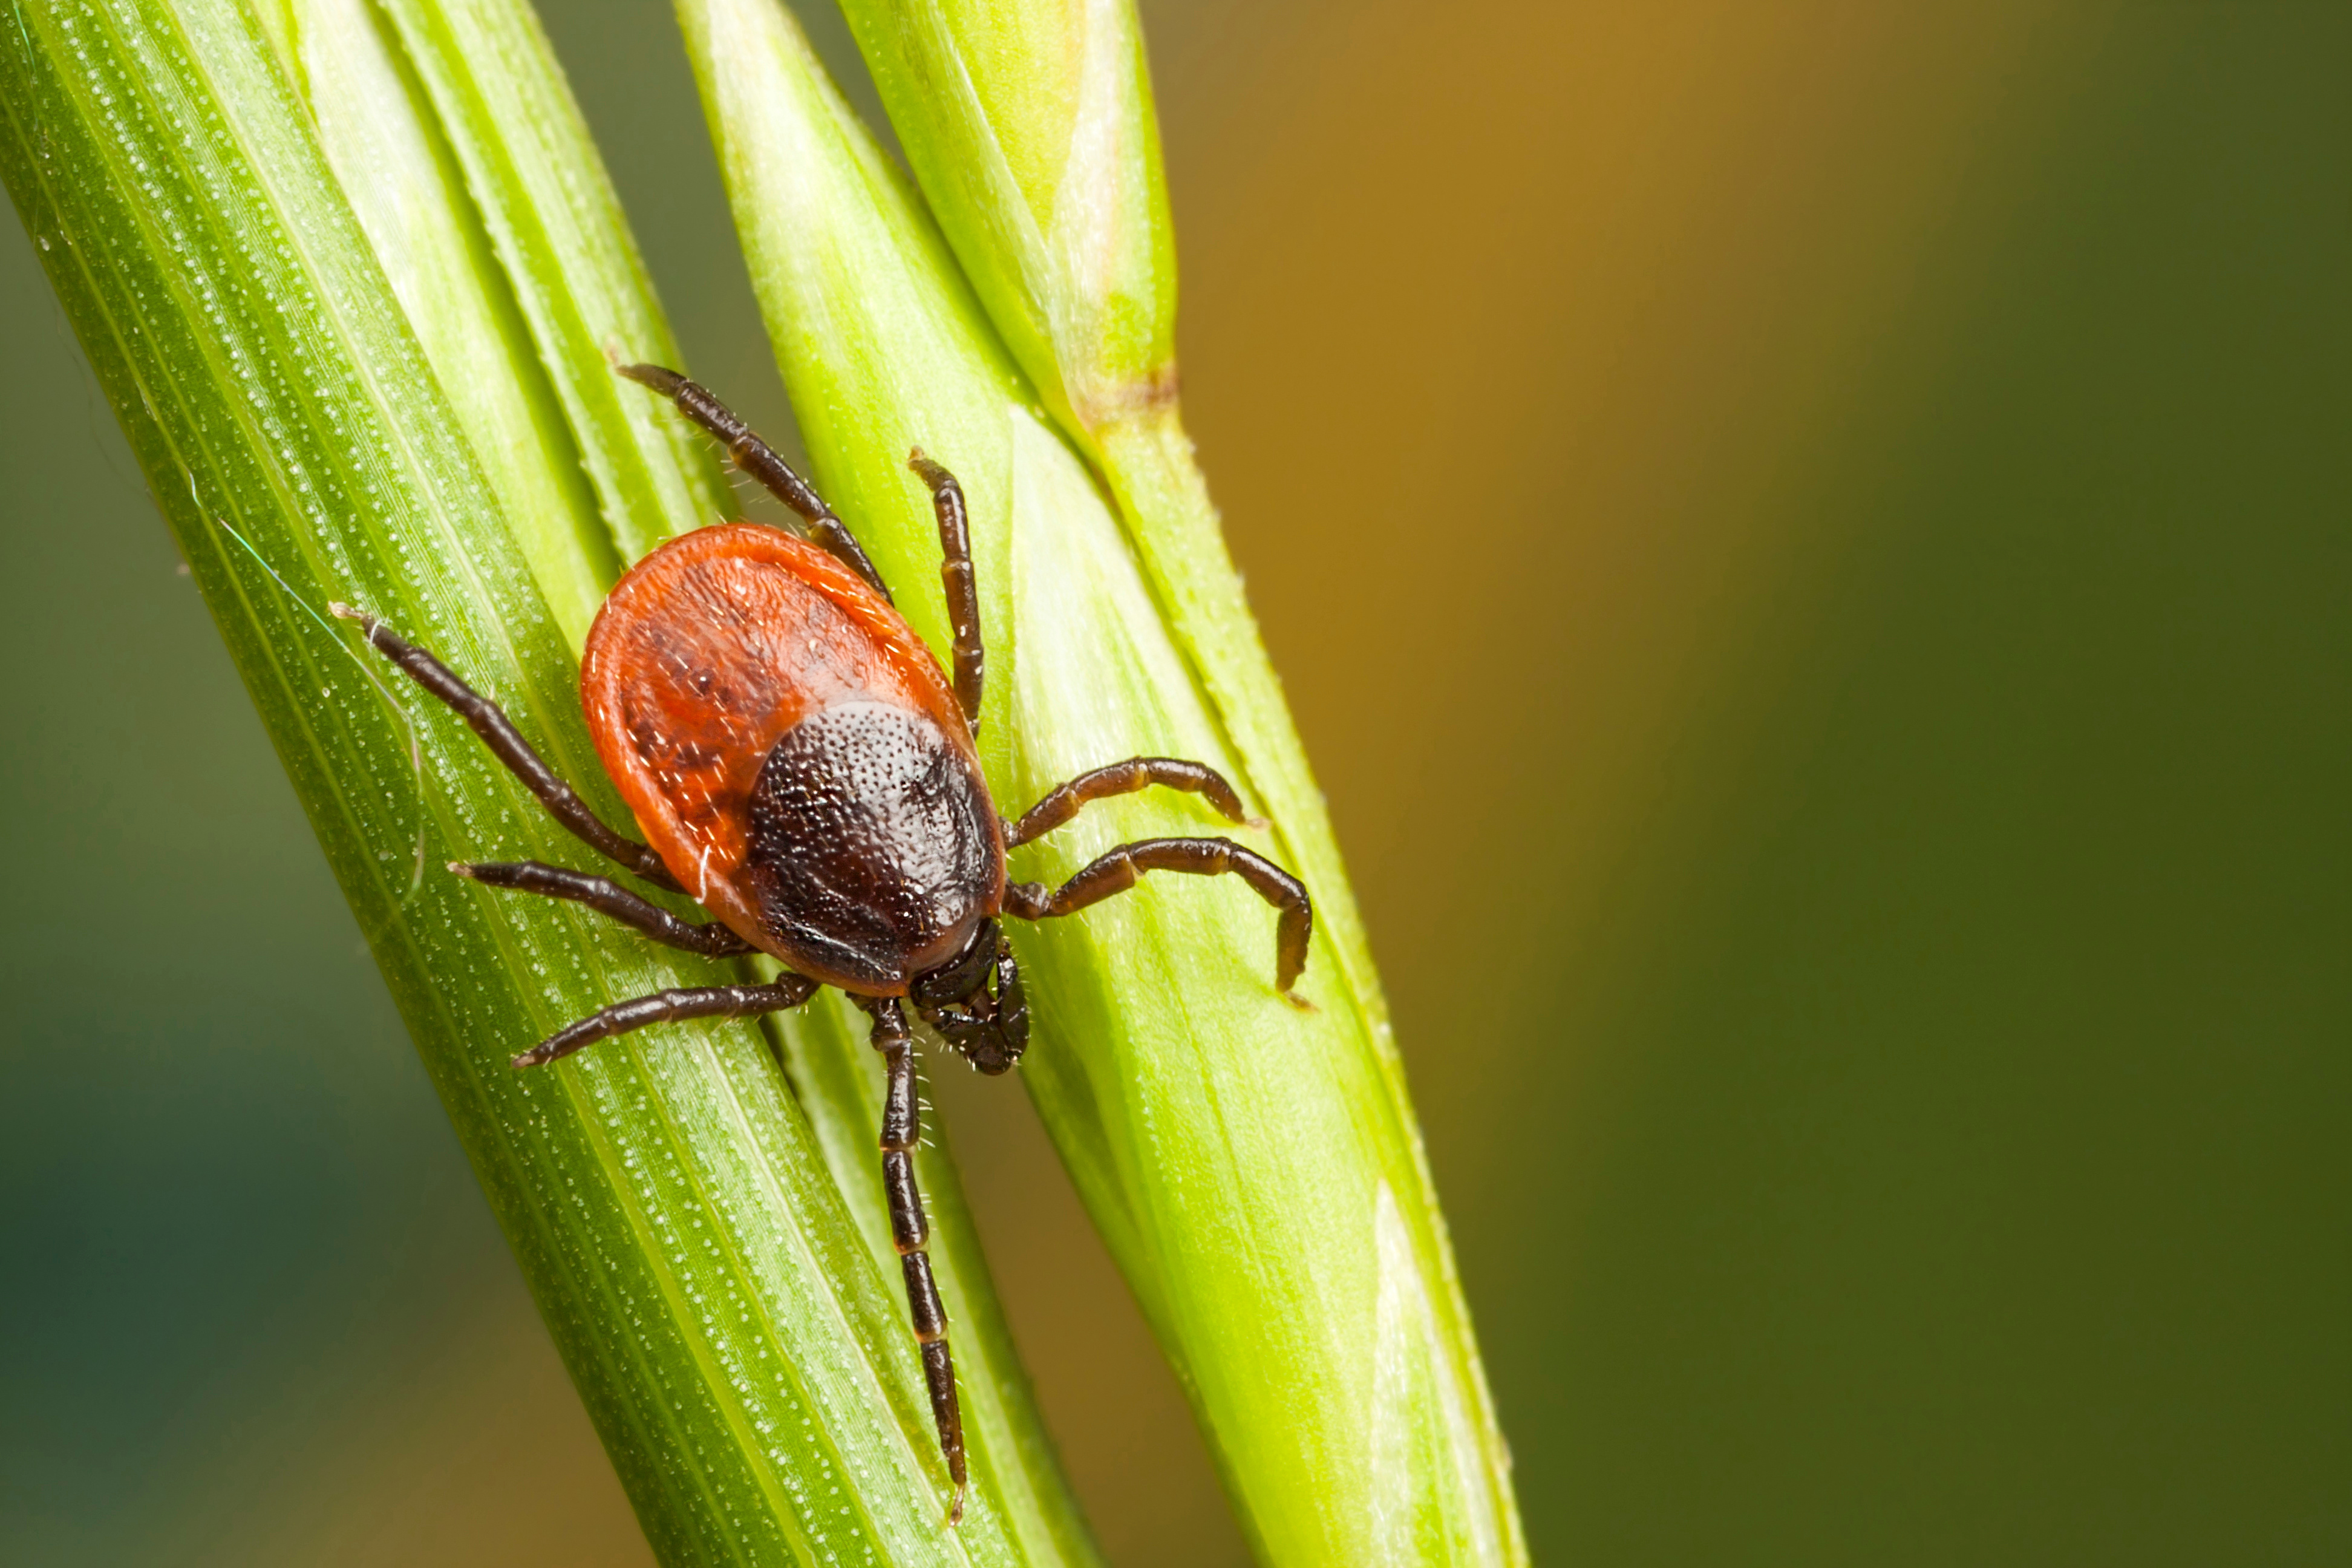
(460, 868)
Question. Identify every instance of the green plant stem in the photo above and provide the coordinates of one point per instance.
(379, 134)
(559, 233)
(1254, 1171)
(745, 1360)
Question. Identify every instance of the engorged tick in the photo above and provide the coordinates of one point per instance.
(802, 769)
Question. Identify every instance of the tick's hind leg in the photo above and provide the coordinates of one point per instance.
(607, 898)
(762, 461)
(1120, 869)
(789, 991)
(901, 1130)
(489, 721)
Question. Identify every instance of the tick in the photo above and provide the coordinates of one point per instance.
(803, 769)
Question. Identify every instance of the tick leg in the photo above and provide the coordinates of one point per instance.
(489, 721)
(607, 898)
(1124, 778)
(956, 578)
(760, 460)
(901, 1130)
(670, 1006)
(1119, 869)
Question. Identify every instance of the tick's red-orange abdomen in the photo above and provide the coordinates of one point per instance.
(713, 650)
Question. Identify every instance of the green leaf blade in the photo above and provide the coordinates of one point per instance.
(745, 1360)
(1329, 1359)
(378, 131)
(578, 280)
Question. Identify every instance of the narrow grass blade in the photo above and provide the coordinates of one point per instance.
(1030, 129)
(576, 277)
(1256, 1170)
(744, 1358)
(380, 136)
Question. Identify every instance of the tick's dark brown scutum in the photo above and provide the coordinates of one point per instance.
(872, 848)
(802, 769)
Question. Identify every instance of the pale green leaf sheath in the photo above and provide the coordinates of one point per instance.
(745, 1360)
(378, 135)
(577, 280)
(1256, 1171)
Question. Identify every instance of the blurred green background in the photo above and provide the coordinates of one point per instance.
(1812, 545)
